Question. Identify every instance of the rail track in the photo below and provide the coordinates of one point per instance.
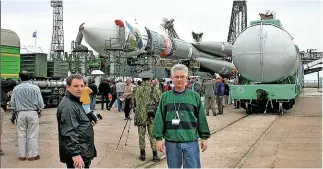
(151, 164)
(252, 148)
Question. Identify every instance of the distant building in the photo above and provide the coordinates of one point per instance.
(33, 60)
(30, 49)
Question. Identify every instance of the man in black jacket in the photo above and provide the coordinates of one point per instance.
(114, 94)
(5, 87)
(104, 89)
(75, 129)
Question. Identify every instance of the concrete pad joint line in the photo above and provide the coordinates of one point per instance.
(106, 155)
(276, 151)
(150, 164)
(244, 158)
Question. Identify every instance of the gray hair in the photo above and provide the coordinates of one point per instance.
(179, 67)
(128, 78)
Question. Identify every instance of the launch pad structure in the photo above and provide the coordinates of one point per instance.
(113, 58)
(81, 60)
(116, 64)
(124, 56)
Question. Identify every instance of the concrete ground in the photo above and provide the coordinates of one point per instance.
(312, 92)
(294, 140)
(107, 134)
(228, 146)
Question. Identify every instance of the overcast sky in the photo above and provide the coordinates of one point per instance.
(302, 19)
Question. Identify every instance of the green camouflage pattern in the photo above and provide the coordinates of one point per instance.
(219, 102)
(143, 96)
(142, 133)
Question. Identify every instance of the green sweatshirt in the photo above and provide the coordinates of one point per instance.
(193, 124)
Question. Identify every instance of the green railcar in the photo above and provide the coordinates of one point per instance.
(9, 54)
(270, 69)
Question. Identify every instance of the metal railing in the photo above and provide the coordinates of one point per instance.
(312, 83)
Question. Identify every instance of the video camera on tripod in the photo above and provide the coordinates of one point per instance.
(93, 116)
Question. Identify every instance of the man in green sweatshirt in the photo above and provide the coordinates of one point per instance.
(180, 119)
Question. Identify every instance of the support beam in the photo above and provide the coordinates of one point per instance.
(313, 70)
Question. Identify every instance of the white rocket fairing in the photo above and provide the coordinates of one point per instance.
(114, 34)
(110, 33)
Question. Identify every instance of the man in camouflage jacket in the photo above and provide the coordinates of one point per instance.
(143, 96)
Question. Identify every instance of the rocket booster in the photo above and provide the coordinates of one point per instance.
(120, 34)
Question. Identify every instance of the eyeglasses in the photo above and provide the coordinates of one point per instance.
(179, 77)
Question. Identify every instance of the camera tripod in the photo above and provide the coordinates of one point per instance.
(129, 124)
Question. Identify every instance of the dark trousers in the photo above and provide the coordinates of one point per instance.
(127, 107)
(219, 102)
(114, 98)
(104, 99)
(70, 164)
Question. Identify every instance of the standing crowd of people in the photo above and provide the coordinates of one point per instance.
(172, 114)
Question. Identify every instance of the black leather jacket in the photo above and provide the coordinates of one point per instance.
(75, 130)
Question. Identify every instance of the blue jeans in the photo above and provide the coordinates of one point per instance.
(86, 108)
(187, 154)
(119, 102)
(93, 102)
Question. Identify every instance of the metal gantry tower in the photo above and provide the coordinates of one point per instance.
(57, 45)
(238, 19)
(168, 27)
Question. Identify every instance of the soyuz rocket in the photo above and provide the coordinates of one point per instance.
(114, 33)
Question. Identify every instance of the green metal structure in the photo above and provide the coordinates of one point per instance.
(41, 70)
(34, 63)
(9, 54)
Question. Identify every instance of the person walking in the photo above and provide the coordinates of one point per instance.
(195, 86)
(113, 94)
(27, 101)
(209, 96)
(167, 86)
(85, 98)
(143, 96)
(75, 130)
(219, 94)
(127, 95)
(120, 86)
(161, 85)
(226, 92)
(93, 95)
(180, 119)
(104, 89)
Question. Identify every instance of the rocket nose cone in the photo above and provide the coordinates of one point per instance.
(94, 37)
(99, 35)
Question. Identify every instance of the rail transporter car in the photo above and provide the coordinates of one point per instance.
(12, 61)
(270, 68)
